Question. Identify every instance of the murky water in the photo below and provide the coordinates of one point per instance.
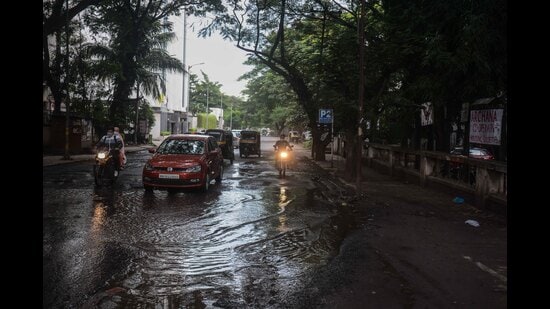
(248, 242)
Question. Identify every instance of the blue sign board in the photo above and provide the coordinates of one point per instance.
(325, 115)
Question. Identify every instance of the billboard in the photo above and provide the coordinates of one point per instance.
(485, 126)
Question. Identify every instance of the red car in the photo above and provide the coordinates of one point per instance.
(184, 161)
(475, 152)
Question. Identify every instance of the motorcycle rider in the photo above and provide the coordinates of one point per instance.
(283, 144)
(111, 141)
(122, 158)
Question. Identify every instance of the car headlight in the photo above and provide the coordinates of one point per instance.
(101, 155)
(284, 154)
(148, 167)
(193, 169)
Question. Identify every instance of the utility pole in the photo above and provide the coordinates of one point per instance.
(136, 126)
(67, 155)
(361, 36)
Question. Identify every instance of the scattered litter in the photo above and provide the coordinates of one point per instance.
(458, 200)
(472, 223)
(344, 204)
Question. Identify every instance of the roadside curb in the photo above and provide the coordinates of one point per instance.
(58, 160)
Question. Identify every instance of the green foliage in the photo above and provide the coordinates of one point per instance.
(212, 121)
(271, 102)
(203, 90)
(165, 133)
(447, 52)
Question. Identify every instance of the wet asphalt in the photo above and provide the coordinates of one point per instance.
(253, 240)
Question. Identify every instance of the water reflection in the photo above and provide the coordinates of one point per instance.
(283, 202)
(98, 218)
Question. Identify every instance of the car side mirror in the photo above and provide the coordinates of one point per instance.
(152, 150)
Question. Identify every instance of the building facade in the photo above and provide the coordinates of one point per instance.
(171, 108)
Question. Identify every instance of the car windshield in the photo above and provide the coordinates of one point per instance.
(179, 146)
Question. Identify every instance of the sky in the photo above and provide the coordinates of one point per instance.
(223, 61)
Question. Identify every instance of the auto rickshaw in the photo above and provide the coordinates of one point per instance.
(225, 140)
(250, 143)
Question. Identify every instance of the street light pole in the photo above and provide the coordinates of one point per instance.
(207, 112)
(189, 84)
(221, 115)
(231, 117)
(136, 126)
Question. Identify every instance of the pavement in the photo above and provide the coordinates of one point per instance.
(415, 248)
(48, 160)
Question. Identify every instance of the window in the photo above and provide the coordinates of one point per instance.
(178, 146)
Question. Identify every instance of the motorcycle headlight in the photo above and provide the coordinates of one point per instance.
(101, 155)
(284, 154)
(193, 169)
(148, 167)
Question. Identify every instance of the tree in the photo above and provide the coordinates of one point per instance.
(201, 90)
(271, 100)
(134, 55)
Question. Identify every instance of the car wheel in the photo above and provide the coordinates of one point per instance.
(206, 183)
(148, 189)
(219, 178)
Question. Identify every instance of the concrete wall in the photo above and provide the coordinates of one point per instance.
(486, 181)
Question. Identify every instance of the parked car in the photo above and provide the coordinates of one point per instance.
(475, 152)
(184, 161)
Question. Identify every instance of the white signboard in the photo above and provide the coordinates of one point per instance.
(485, 126)
(426, 114)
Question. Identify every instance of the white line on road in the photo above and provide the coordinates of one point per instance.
(487, 269)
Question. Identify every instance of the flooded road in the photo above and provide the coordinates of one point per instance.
(250, 241)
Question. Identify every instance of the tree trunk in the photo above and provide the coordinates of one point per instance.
(117, 113)
(54, 78)
(351, 157)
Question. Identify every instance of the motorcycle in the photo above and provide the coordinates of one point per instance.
(105, 167)
(282, 159)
